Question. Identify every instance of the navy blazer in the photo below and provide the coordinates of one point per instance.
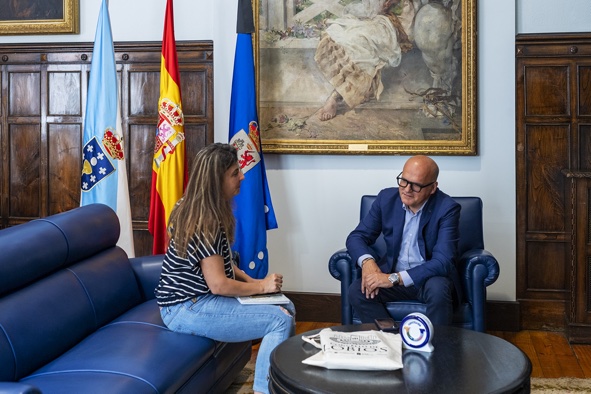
(438, 237)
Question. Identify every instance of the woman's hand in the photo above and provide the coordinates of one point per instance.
(243, 285)
(272, 283)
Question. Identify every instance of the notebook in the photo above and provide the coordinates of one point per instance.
(274, 298)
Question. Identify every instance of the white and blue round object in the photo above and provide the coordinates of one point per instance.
(416, 331)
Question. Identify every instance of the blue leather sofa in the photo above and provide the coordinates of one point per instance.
(78, 316)
(476, 266)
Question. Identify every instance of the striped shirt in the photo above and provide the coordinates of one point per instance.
(182, 278)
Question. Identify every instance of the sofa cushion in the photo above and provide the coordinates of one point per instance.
(30, 251)
(162, 360)
(41, 321)
(45, 319)
(227, 359)
(109, 283)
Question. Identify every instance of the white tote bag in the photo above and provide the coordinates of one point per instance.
(360, 350)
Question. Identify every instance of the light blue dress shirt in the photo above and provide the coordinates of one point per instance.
(410, 254)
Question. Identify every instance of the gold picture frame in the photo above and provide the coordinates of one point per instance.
(412, 114)
(40, 17)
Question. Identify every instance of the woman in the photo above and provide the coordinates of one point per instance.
(199, 281)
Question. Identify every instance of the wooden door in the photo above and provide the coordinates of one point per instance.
(550, 139)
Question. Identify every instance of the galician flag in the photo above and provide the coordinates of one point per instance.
(253, 207)
(104, 175)
(169, 164)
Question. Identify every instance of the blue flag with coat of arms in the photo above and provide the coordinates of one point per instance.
(253, 207)
(104, 175)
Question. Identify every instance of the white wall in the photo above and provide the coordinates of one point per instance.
(548, 16)
(316, 198)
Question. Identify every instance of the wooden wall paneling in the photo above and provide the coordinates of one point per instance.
(24, 172)
(546, 89)
(552, 98)
(547, 154)
(24, 134)
(579, 302)
(66, 93)
(585, 146)
(141, 88)
(584, 113)
(24, 91)
(543, 143)
(42, 103)
(139, 160)
(582, 311)
(197, 92)
(579, 187)
(584, 85)
(64, 166)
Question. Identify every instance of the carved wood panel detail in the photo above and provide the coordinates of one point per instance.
(553, 135)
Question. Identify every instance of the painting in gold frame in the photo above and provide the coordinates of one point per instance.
(40, 17)
(422, 99)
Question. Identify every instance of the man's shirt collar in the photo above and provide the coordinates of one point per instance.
(407, 209)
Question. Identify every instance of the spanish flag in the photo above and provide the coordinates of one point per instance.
(169, 164)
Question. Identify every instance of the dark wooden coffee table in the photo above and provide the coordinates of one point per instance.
(464, 361)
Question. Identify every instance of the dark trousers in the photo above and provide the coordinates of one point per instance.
(437, 293)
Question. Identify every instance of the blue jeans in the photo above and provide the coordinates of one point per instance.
(225, 319)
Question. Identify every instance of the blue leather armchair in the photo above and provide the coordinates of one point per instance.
(477, 269)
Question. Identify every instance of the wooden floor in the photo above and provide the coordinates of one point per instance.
(550, 353)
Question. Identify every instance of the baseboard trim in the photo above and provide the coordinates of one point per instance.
(319, 307)
(326, 308)
(503, 316)
(543, 315)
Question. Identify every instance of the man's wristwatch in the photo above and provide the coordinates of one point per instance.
(394, 278)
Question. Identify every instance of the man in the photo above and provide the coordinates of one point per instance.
(420, 226)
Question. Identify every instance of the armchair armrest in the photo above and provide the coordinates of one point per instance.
(18, 388)
(342, 268)
(478, 268)
(147, 272)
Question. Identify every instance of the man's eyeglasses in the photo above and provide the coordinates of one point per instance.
(415, 187)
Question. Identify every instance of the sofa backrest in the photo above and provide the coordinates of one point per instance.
(33, 250)
(471, 232)
(61, 278)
